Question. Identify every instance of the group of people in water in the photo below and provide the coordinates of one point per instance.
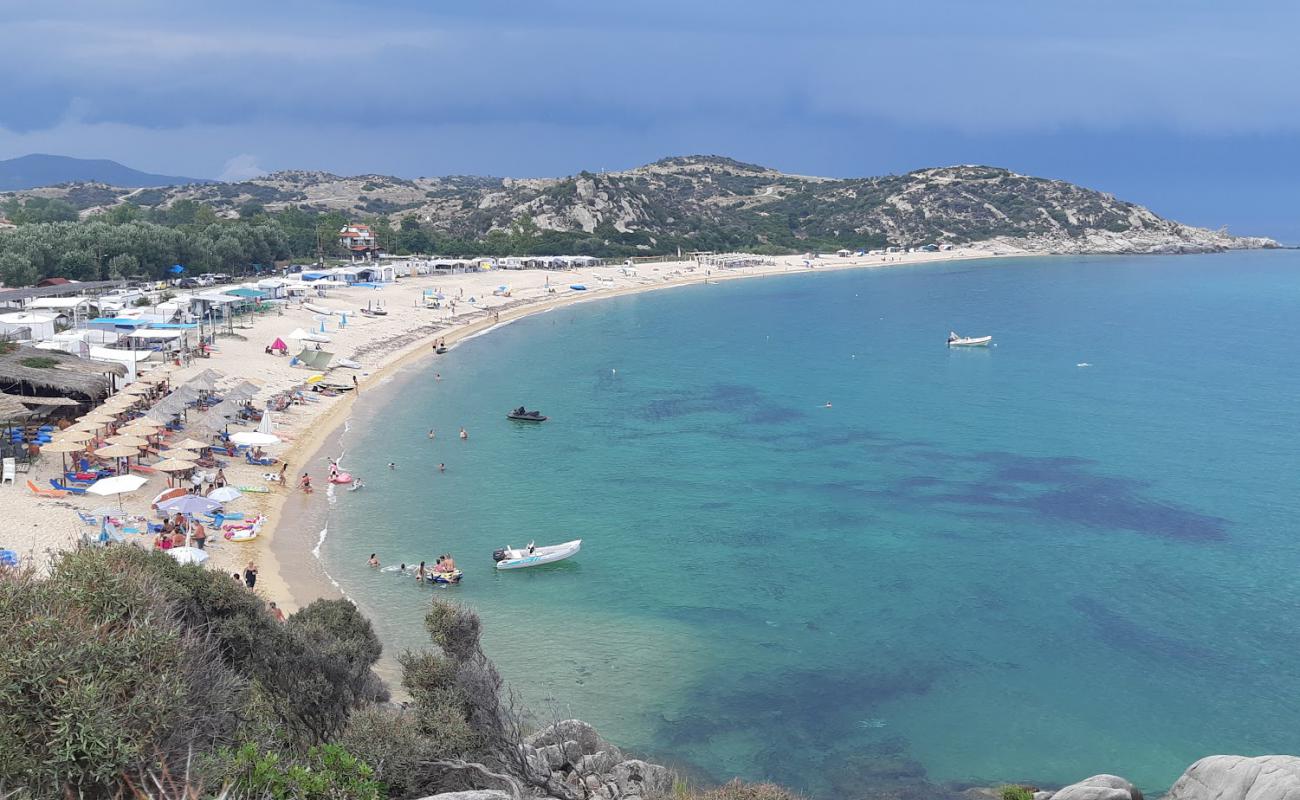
(443, 569)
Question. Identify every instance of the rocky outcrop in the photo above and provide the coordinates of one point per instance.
(579, 758)
(1239, 778)
(1098, 787)
(473, 794)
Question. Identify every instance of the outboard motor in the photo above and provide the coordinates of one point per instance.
(499, 554)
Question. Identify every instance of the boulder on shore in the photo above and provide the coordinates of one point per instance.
(1098, 787)
(1239, 778)
(473, 794)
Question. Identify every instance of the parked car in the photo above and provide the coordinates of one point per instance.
(188, 283)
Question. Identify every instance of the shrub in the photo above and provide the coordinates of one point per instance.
(1016, 792)
(392, 742)
(99, 682)
(328, 772)
(748, 791)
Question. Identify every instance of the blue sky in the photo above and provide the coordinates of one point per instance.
(1188, 106)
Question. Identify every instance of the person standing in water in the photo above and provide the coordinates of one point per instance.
(419, 573)
(463, 434)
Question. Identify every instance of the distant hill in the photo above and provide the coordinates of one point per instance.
(38, 169)
(713, 203)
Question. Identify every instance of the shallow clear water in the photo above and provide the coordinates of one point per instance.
(976, 565)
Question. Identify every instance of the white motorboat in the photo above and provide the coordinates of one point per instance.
(319, 309)
(968, 341)
(531, 556)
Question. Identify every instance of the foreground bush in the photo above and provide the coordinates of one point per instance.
(328, 772)
(747, 791)
(99, 680)
(124, 664)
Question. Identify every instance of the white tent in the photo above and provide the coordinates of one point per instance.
(37, 327)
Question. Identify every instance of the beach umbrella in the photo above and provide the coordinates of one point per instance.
(102, 417)
(138, 388)
(117, 451)
(225, 494)
(63, 448)
(137, 427)
(169, 494)
(192, 444)
(180, 454)
(255, 439)
(174, 465)
(157, 376)
(117, 485)
(85, 427)
(189, 555)
(190, 504)
(74, 435)
(128, 440)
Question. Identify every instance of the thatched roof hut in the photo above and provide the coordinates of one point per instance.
(30, 371)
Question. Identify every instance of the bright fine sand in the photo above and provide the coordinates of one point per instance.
(37, 527)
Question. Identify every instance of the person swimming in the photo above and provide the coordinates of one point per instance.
(374, 560)
(432, 434)
(463, 434)
(442, 467)
(392, 465)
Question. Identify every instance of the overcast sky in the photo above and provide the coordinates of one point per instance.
(1189, 106)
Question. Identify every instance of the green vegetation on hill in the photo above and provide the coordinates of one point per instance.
(684, 203)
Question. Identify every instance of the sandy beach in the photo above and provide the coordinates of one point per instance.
(38, 527)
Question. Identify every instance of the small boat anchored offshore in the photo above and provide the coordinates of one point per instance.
(968, 341)
(522, 414)
(532, 556)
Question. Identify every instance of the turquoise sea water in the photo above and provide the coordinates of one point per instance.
(976, 565)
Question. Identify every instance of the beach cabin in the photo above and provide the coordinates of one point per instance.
(379, 273)
(26, 326)
(274, 288)
(68, 312)
(843, 252)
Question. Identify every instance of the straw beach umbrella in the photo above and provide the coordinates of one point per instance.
(138, 388)
(174, 465)
(138, 427)
(179, 454)
(127, 439)
(63, 448)
(101, 417)
(74, 435)
(117, 451)
(192, 444)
